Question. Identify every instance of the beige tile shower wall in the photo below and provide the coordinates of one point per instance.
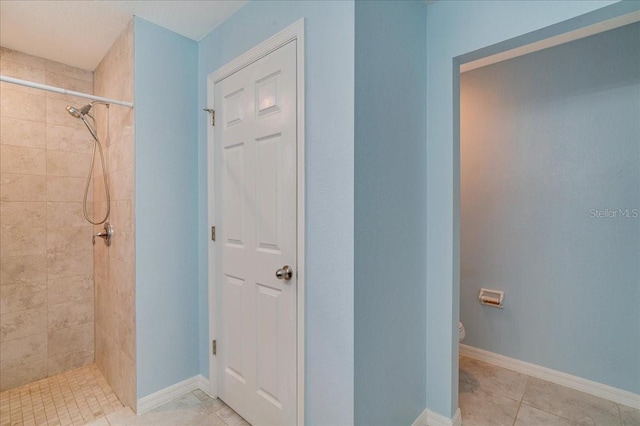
(46, 263)
(114, 265)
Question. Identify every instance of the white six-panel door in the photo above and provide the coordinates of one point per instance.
(255, 199)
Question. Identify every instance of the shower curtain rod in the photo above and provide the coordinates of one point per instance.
(64, 91)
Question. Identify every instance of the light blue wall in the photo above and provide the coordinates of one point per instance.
(545, 138)
(455, 28)
(329, 165)
(166, 149)
(390, 212)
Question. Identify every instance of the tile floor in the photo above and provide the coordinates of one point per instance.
(193, 409)
(74, 397)
(491, 395)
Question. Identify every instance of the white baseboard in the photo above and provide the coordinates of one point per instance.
(431, 418)
(610, 393)
(204, 385)
(422, 419)
(457, 418)
(172, 392)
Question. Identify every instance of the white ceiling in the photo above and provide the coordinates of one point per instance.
(80, 32)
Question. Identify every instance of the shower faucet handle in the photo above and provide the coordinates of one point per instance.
(106, 233)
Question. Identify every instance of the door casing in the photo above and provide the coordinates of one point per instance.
(293, 32)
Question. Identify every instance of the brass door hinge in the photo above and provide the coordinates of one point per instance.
(214, 348)
(213, 233)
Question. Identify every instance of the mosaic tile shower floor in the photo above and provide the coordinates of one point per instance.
(75, 397)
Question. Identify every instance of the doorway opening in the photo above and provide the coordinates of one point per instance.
(546, 145)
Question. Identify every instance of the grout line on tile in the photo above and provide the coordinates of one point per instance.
(521, 399)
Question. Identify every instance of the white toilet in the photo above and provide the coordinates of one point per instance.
(461, 332)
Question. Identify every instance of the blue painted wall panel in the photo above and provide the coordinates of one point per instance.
(166, 149)
(390, 212)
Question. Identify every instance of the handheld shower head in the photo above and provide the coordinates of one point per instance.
(74, 111)
(79, 112)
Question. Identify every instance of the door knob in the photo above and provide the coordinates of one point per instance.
(284, 273)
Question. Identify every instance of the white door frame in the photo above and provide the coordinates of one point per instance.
(293, 32)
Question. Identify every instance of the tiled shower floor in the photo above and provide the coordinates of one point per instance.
(75, 397)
